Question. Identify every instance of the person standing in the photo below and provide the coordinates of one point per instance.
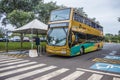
(37, 41)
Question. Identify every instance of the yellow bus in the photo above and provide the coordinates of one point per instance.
(70, 33)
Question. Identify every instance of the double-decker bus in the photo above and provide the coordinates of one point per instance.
(70, 33)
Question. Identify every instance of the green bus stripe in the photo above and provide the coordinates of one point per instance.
(76, 49)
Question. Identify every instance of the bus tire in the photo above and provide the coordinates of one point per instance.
(81, 50)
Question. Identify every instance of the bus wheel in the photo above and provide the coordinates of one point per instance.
(81, 50)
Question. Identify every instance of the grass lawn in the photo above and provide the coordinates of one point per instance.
(17, 45)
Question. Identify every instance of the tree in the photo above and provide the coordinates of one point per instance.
(18, 17)
(43, 10)
(81, 11)
(112, 38)
(94, 20)
(1, 32)
(119, 32)
(8, 7)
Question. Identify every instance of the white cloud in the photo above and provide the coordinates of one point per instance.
(105, 11)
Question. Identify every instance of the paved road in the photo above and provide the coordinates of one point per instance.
(98, 65)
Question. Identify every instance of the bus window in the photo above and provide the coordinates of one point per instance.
(60, 15)
(57, 36)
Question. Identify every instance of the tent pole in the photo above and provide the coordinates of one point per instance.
(32, 38)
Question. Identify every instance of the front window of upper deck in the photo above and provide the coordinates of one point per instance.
(58, 15)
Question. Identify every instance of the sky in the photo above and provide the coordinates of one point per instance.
(105, 11)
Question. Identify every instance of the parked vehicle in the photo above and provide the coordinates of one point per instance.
(26, 39)
(43, 39)
(15, 39)
(4, 40)
(1, 39)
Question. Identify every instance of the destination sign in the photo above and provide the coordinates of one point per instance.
(59, 24)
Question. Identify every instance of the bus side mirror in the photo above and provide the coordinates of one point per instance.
(73, 38)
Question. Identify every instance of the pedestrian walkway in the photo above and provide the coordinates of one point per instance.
(20, 69)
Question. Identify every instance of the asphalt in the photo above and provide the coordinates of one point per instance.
(83, 62)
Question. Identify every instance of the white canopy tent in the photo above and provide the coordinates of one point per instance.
(33, 27)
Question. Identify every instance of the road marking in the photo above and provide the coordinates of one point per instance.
(74, 75)
(4, 57)
(18, 55)
(21, 69)
(10, 61)
(113, 53)
(7, 59)
(106, 67)
(95, 77)
(18, 77)
(98, 72)
(113, 57)
(17, 66)
(106, 60)
(116, 78)
(53, 74)
(14, 63)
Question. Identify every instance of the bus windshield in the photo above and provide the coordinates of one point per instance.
(57, 36)
(63, 14)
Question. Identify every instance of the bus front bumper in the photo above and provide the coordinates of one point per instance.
(58, 51)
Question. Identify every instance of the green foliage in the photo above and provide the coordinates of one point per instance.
(112, 38)
(11, 8)
(1, 32)
(12, 46)
(43, 10)
(18, 17)
(81, 11)
(20, 12)
(7, 6)
(17, 45)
